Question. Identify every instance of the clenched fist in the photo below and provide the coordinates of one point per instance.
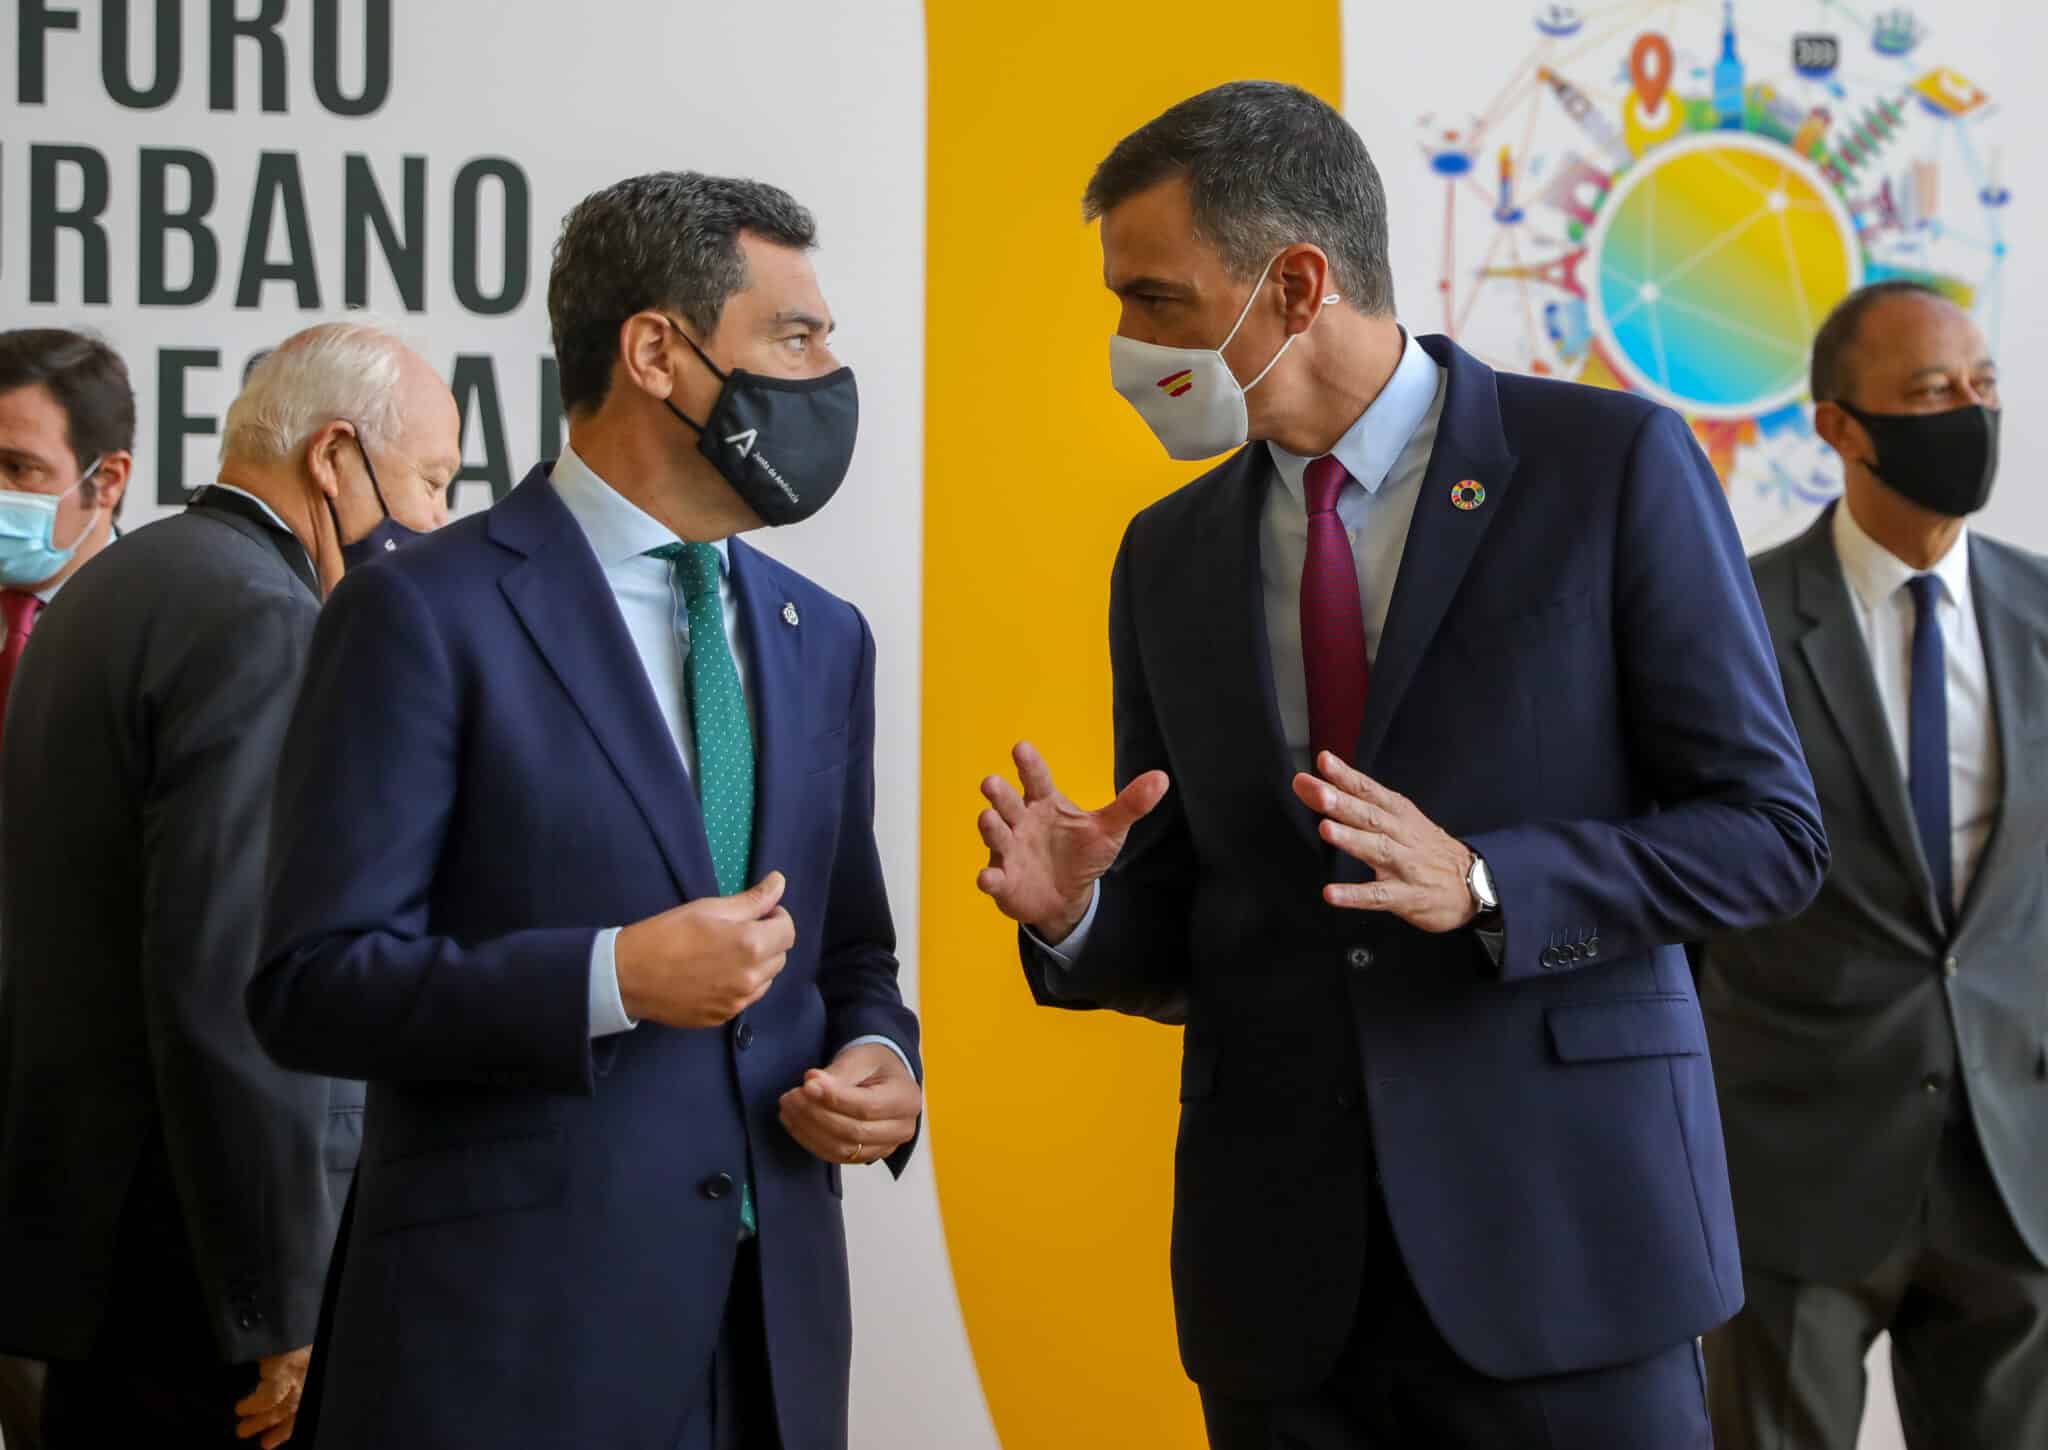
(704, 963)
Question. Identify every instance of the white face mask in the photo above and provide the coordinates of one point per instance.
(1189, 395)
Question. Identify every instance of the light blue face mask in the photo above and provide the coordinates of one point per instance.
(28, 542)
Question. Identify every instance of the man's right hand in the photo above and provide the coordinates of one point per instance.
(1045, 853)
(703, 963)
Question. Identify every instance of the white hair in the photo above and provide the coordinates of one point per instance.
(337, 370)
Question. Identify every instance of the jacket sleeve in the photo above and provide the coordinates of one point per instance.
(1135, 959)
(352, 982)
(857, 957)
(1736, 839)
(247, 1145)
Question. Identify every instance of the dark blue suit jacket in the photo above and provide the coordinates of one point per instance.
(1575, 678)
(477, 780)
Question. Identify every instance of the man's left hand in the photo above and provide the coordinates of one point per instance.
(859, 1110)
(1419, 871)
(272, 1408)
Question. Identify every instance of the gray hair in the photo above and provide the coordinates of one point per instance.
(668, 240)
(334, 371)
(1267, 165)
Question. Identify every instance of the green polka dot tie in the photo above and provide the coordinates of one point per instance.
(718, 716)
(725, 738)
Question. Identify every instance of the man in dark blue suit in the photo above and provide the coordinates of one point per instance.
(1444, 711)
(536, 765)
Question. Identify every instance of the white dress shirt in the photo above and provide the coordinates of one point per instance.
(651, 607)
(1386, 453)
(1884, 612)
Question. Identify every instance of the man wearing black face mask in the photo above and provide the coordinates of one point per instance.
(1882, 1059)
(168, 1195)
(575, 862)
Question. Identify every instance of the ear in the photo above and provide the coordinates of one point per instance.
(324, 453)
(1842, 433)
(110, 480)
(645, 356)
(1304, 274)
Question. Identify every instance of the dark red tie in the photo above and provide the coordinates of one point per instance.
(1332, 620)
(19, 610)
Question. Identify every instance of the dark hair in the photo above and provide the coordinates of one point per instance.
(88, 380)
(668, 240)
(1267, 165)
(1830, 378)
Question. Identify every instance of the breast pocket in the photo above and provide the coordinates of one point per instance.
(1516, 630)
(826, 751)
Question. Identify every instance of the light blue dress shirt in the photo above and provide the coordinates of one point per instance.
(620, 534)
(1386, 452)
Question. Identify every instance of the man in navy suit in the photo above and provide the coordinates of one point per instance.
(1444, 710)
(574, 862)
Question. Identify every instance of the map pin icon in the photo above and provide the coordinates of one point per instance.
(1649, 70)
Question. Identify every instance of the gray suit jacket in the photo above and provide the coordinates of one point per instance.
(1840, 1036)
(162, 1182)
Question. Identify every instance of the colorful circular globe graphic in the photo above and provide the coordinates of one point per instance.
(1710, 265)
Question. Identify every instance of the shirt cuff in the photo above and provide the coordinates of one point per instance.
(871, 1037)
(1067, 950)
(607, 1008)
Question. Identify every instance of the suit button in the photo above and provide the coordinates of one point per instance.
(1949, 966)
(1593, 948)
(743, 1038)
(1360, 958)
(718, 1185)
(1549, 957)
(248, 1319)
(1346, 1098)
(1934, 1082)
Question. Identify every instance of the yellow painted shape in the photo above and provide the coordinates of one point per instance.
(1054, 1131)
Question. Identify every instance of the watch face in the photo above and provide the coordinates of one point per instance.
(1481, 882)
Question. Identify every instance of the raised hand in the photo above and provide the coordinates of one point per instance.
(1045, 853)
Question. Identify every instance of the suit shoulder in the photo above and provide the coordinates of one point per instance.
(2023, 576)
(1559, 406)
(208, 565)
(1198, 495)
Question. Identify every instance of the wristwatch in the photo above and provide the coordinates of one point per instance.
(1479, 881)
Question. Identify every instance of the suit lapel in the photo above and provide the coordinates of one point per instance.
(2013, 656)
(1220, 593)
(775, 655)
(561, 598)
(1835, 653)
(1442, 539)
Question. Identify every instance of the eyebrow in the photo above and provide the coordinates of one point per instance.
(810, 320)
(1149, 284)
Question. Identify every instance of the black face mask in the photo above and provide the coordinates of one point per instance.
(784, 444)
(384, 539)
(1945, 462)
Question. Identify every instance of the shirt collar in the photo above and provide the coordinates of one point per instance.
(1876, 574)
(618, 528)
(1371, 446)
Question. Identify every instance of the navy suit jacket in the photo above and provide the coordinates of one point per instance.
(1575, 679)
(477, 780)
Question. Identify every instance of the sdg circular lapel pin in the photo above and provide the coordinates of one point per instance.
(1468, 495)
